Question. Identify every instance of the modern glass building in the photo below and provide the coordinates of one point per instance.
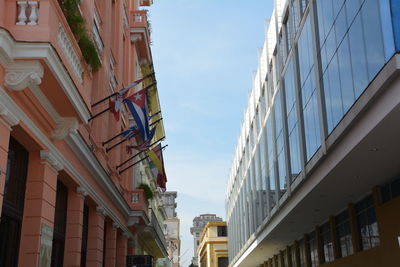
(315, 173)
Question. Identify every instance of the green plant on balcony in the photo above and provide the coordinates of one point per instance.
(77, 23)
(148, 193)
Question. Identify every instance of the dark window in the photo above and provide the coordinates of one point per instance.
(293, 255)
(85, 228)
(302, 253)
(222, 231)
(326, 241)
(60, 218)
(367, 224)
(343, 232)
(390, 191)
(13, 203)
(284, 258)
(313, 249)
(223, 262)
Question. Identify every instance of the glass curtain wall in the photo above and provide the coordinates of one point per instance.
(353, 49)
(271, 163)
(292, 121)
(308, 90)
(280, 146)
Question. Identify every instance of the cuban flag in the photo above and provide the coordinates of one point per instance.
(137, 104)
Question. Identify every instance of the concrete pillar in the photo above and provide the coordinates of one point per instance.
(5, 130)
(122, 249)
(73, 235)
(95, 237)
(111, 245)
(40, 202)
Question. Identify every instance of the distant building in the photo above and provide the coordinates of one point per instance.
(198, 224)
(171, 230)
(213, 247)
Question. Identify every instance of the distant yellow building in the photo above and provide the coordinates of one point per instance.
(213, 247)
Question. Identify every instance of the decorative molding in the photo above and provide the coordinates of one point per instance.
(64, 127)
(49, 157)
(8, 116)
(133, 221)
(23, 74)
(115, 225)
(81, 191)
(10, 50)
(101, 210)
(69, 52)
(125, 235)
(135, 37)
(76, 143)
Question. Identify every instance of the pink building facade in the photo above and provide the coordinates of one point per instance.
(62, 200)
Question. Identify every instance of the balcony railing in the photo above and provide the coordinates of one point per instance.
(138, 201)
(44, 21)
(157, 228)
(138, 19)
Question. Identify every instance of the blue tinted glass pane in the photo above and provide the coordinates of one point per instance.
(386, 20)
(346, 80)
(358, 57)
(292, 119)
(305, 51)
(278, 113)
(311, 125)
(330, 45)
(327, 15)
(373, 37)
(289, 86)
(324, 60)
(320, 14)
(341, 25)
(294, 153)
(333, 96)
(352, 7)
(282, 172)
(337, 5)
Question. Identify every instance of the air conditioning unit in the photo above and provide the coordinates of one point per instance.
(139, 261)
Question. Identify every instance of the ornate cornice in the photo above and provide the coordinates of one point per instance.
(23, 74)
(64, 127)
(101, 210)
(49, 158)
(125, 235)
(9, 117)
(81, 191)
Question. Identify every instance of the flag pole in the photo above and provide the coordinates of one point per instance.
(112, 138)
(122, 141)
(129, 86)
(98, 114)
(137, 162)
(162, 138)
(103, 111)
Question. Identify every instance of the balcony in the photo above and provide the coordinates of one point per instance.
(41, 33)
(44, 21)
(146, 2)
(154, 238)
(140, 32)
(138, 201)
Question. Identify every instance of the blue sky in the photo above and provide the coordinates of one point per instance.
(204, 53)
